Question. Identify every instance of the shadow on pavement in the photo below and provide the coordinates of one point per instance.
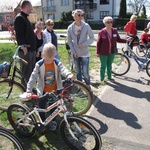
(102, 126)
(111, 111)
(130, 91)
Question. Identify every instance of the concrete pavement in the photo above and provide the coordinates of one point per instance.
(122, 113)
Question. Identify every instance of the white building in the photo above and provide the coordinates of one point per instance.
(94, 9)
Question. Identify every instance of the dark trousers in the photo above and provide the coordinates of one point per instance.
(27, 68)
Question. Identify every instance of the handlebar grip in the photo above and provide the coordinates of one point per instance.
(34, 96)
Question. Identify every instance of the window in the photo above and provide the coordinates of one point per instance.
(103, 14)
(51, 16)
(90, 15)
(102, 2)
(64, 2)
(50, 3)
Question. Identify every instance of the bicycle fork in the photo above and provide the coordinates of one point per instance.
(68, 126)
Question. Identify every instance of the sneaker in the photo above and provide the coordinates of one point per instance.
(53, 125)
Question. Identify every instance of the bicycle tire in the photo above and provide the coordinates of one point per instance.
(9, 140)
(142, 52)
(88, 137)
(16, 112)
(5, 87)
(82, 98)
(148, 68)
(121, 64)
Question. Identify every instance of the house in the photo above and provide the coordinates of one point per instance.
(8, 9)
(36, 15)
(94, 9)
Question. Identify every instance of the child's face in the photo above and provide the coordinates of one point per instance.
(49, 60)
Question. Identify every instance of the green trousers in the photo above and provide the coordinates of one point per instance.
(106, 62)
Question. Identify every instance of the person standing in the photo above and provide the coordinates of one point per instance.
(80, 36)
(50, 36)
(105, 48)
(38, 31)
(25, 36)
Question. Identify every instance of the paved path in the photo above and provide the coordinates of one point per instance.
(122, 113)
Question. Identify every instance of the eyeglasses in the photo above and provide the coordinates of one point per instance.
(50, 24)
(109, 22)
(79, 15)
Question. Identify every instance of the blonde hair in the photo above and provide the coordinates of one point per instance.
(133, 17)
(107, 18)
(49, 49)
(76, 11)
(49, 21)
(39, 23)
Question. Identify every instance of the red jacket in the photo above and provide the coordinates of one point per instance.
(145, 38)
(130, 28)
(102, 47)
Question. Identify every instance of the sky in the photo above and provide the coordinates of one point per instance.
(36, 2)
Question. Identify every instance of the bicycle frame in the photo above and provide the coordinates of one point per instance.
(60, 108)
(137, 59)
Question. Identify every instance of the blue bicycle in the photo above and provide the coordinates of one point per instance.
(121, 64)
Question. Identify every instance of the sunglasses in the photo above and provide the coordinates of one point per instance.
(109, 22)
(79, 15)
(50, 24)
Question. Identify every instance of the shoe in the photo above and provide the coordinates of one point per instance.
(53, 125)
(111, 80)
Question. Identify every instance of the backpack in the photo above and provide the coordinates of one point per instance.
(4, 69)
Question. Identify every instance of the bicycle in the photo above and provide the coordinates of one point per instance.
(76, 132)
(9, 140)
(10, 86)
(70, 57)
(140, 49)
(121, 64)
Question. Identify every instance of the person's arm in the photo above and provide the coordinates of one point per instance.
(20, 29)
(98, 45)
(33, 79)
(91, 37)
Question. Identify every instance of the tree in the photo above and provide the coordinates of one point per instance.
(135, 6)
(123, 9)
(143, 13)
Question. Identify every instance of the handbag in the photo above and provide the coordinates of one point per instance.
(114, 50)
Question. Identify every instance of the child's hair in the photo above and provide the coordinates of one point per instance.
(49, 49)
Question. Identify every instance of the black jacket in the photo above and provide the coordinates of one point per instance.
(24, 31)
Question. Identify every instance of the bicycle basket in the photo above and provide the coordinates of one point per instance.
(4, 69)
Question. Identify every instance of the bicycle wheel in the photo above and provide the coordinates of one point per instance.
(21, 124)
(82, 98)
(9, 141)
(141, 51)
(87, 136)
(120, 65)
(148, 68)
(8, 95)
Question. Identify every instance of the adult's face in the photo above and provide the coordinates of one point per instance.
(29, 9)
(78, 16)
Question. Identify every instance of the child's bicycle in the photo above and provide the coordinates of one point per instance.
(11, 78)
(121, 64)
(9, 141)
(77, 132)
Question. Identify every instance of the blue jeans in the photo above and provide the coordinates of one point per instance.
(82, 68)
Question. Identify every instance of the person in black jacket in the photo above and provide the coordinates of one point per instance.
(25, 36)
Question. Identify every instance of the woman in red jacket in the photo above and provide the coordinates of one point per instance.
(106, 43)
(130, 28)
